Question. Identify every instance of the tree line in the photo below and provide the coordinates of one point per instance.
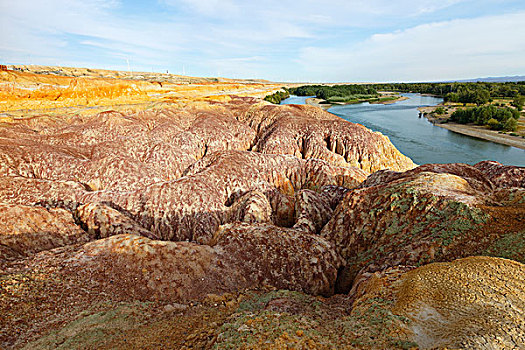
(278, 96)
(478, 93)
(337, 93)
(505, 119)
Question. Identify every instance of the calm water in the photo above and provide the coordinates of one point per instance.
(295, 100)
(418, 138)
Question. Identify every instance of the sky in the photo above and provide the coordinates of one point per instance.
(279, 40)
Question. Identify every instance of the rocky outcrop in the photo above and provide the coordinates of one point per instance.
(27, 191)
(471, 303)
(420, 216)
(26, 230)
(502, 175)
(122, 152)
(285, 258)
(309, 132)
(169, 170)
(193, 207)
(314, 209)
(242, 256)
(102, 221)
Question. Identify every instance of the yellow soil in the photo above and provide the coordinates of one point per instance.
(24, 93)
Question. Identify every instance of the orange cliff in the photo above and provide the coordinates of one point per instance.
(35, 89)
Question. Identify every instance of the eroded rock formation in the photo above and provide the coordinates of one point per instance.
(452, 305)
(171, 204)
(431, 213)
(26, 230)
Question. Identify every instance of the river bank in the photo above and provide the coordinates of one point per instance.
(318, 102)
(477, 131)
(485, 134)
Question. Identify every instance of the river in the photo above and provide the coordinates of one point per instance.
(417, 137)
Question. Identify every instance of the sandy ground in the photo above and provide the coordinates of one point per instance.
(485, 134)
(312, 101)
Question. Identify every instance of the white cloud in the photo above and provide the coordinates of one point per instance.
(214, 8)
(445, 50)
(286, 37)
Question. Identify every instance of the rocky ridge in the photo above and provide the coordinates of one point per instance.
(260, 226)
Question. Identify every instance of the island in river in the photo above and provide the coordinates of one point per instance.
(385, 98)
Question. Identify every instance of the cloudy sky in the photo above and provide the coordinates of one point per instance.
(343, 40)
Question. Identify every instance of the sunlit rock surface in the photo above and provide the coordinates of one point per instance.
(431, 213)
(470, 303)
(25, 230)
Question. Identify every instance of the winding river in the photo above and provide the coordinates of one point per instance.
(417, 137)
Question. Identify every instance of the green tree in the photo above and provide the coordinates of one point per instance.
(510, 124)
(518, 102)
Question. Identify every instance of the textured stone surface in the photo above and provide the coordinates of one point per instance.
(471, 303)
(27, 191)
(420, 216)
(27, 230)
(312, 211)
(243, 256)
(280, 257)
(309, 132)
(502, 175)
(193, 207)
(101, 221)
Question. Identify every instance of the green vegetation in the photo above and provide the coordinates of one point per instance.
(477, 93)
(372, 320)
(277, 97)
(301, 321)
(510, 246)
(505, 119)
(440, 110)
(518, 102)
(432, 219)
(93, 329)
(338, 93)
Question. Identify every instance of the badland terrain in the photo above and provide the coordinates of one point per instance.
(154, 211)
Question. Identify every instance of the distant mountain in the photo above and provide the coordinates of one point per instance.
(514, 78)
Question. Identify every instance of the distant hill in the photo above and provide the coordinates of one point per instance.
(514, 78)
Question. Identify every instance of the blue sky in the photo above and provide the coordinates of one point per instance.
(281, 40)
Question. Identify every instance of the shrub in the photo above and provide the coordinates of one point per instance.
(277, 97)
(493, 124)
(440, 110)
